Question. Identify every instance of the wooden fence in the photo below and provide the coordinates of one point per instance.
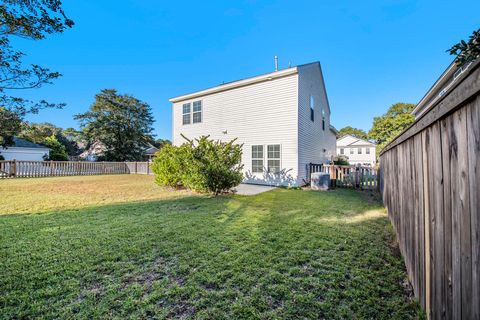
(35, 169)
(357, 177)
(429, 180)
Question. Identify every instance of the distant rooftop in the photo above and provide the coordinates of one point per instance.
(22, 143)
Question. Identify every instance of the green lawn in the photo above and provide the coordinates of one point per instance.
(121, 247)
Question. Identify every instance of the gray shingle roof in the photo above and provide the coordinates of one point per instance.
(22, 143)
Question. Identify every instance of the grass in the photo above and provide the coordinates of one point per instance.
(121, 247)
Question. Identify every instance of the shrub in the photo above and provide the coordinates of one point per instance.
(58, 152)
(202, 165)
(2, 157)
(341, 160)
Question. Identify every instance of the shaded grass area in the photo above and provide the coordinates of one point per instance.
(281, 254)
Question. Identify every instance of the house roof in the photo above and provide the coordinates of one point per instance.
(439, 88)
(355, 141)
(152, 150)
(22, 143)
(241, 83)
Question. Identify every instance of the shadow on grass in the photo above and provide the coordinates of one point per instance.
(279, 254)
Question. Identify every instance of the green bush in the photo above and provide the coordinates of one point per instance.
(202, 165)
(58, 152)
(2, 157)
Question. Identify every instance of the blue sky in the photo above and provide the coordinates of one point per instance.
(373, 54)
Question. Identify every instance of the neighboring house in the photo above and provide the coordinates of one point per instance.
(358, 151)
(150, 152)
(281, 118)
(95, 150)
(25, 150)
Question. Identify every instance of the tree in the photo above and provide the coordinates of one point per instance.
(122, 123)
(10, 124)
(160, 143)
(28, 19)
(386, 127)
(466, 52)
(358, 133)
(38, 132)
(57, 150)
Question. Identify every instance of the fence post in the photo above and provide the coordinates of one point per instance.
(51, 168)
(136, 167)
(13, 168)
(148, 168)
(357, 182)
(103, 166)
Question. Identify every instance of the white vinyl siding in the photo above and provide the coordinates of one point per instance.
(264, 113)
(257, 159)
(315, 145)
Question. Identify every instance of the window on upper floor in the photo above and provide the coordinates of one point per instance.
(351, 150)
(186, 113)
(323, 120)
(312, 108)
(342, 151)
(359, 150)
(273, 158)
(197, 111)
(367, 150)
(257, 158)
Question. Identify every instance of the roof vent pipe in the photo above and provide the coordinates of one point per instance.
(276, 63)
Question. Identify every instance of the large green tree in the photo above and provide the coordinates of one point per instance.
(359, 133)
(58, 152)
(27, 19)
(386, 127)
(39, 132)
(122, 123)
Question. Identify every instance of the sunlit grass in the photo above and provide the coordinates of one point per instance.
(133, 250)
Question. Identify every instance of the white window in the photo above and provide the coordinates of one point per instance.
(342, 151)
(197, 111)
(359, 150)
(186, 113)
(273, 158)
(312, 108)
(351, 150)
(323, 120)
(257, 158)
(367, 150)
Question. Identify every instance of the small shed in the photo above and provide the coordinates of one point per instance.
(25, 150)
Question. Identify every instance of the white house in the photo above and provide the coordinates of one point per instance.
(358, 151)
(25, 150)
(281, 118)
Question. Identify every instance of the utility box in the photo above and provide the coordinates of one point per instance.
(320, 181)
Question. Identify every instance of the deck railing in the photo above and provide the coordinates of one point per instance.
(342, 176)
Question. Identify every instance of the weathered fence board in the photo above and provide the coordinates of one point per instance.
(429, 181)
(36, 169)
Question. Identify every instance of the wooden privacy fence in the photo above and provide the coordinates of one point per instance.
(33, 169)
(357, 177)
(429, 181)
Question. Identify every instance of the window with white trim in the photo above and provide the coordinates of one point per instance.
(273, 158)
(351, 150)
(359, 150)
(197, 111)
(367, 150)
(323, 120)
(342, 151)
(257, 158)
(186, 113)
(312, 108)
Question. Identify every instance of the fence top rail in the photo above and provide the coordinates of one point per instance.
(51, 161)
